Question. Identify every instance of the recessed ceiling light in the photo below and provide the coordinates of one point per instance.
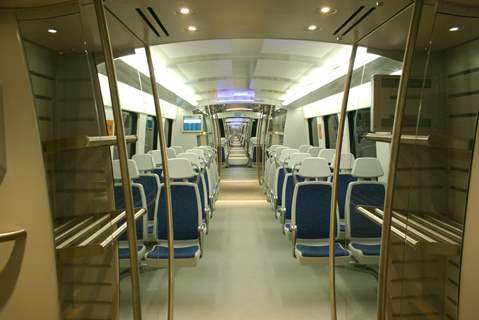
(191, 28)
(52, 31)
(184, 10)
(325, 9)
(452, 29)
(312, 27)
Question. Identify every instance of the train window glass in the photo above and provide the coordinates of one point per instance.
(254, 127)
(359, 126)
(151, 133)
(222, 127)
(313, 132)
(331, 127)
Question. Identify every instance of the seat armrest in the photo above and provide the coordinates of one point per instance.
(201, 236)
(294, 228)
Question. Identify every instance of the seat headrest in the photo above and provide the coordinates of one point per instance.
(193, 157)
(304, 148)
(314, 168)
(296, 158)
(367, 168)
(314, 151)
(144, 162)
(273, 147)
(327, 154)
(346, 163)
(156, 155)
(132, 169)
(178, 149)
(171, 153)
(286, 153)
(199, 152)
(180, 168)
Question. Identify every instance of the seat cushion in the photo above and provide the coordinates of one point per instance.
(159, 252)
(124, 253)
(321, 251)
(367, 249)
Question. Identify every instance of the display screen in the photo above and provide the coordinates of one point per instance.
(192, 124)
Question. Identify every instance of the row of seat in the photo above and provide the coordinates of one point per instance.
(194, 185)
(304, 186)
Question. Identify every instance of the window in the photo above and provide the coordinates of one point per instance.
(313, 131)
(359, 125)
(151, 134)
(130, 121)
(331, 129)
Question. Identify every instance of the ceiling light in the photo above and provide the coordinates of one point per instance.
(312, 27)
(52, 31)
(325, 10)
(452, 29)
(184, 10)
(191, 28)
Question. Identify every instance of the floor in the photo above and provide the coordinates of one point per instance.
(248, 272)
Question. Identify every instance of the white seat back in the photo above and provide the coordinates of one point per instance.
(314, 168)
(327, 154)
(346, 162)
(367, 168)
(144, 162)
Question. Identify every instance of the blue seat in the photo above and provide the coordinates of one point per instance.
(312, 251)
(310, 221)
(188, 229)
(279, 173)
(345, 177)
(139, 201)
(151, 184)
(290, 179)
(364, 235)
(199, 179)
(160, 252)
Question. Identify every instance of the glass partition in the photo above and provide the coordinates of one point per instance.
(61, 44)
(433, 169)
(378, 58)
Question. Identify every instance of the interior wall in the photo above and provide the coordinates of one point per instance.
(28, 274)
(180, 138)
(295, 129)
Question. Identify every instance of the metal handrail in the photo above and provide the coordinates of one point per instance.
(81, 142)
(12, 235)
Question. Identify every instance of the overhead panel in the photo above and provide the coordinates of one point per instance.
(200, 69)
(197, 48)
(281, 69)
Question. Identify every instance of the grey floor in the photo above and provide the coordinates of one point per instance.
(248, 272)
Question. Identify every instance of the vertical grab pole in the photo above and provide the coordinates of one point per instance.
(167, 188)
(395, 141)
(218, 142)
(263, 157)
(334, 196)
(123, 157)
(259, 128)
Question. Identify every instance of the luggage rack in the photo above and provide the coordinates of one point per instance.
(90, 235)
(82, 142)
(436, 236)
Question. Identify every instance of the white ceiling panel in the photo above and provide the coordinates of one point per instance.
(206, 69)
(214, 85)
(197, 48)
(297, 47)
(281, 68)
(269, 84)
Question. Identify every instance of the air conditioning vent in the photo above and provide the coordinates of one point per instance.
(151, 23)
(367, 13)
(148, 23)
(348, 20)
(157, 19)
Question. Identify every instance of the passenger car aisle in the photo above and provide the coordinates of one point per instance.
(247, 271)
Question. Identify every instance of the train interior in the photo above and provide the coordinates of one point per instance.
(239, 159)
